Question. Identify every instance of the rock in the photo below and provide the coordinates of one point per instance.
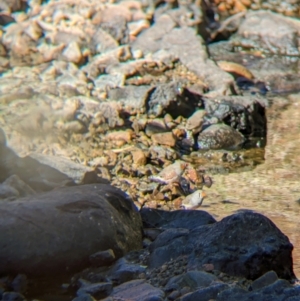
(250, 256)
(154, 126)
(220, 136)
(265, 280)
(20, 284)
(139, 158)
(150, 40)
(84, 297)
(189, 48)
(103, 41)
(6, 191)
(136, 290)
(72, 53)
(58, 230)
(73, 172)
(97, 290)
(12, 296)
(258, 31)
(188, 219)
(102, 258)
(208, 293)
(36, 175)
(191, 279)
(132, 98)
(172, 99)
(21, 187)
(124, 271)
(279, 290)
(245, 244)
(110, 111)
(167, 139)
(245, 114)
(125, 136)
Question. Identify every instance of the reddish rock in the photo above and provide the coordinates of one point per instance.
(164, 139)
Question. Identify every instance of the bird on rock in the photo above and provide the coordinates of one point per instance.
(193, 200)
(170, 174)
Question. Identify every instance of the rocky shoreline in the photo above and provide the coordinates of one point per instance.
(155, 98)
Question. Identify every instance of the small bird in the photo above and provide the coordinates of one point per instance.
(170, 174)
(193, 200)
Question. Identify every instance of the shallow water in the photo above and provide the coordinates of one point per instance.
(271, 188)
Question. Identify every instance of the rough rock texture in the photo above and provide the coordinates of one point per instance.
(245, 244)
(220, 136)
(184, 44)
(245, 114)
(38, 234)
(136, 290)
(270, 32)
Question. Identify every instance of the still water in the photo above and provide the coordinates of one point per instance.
(273, 187)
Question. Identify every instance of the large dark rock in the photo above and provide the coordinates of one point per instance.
(57, 231)
(245, 244)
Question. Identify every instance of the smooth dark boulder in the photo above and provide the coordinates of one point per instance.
(57, 231)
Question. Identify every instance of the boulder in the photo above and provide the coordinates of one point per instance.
(246, 244)
(58, 230)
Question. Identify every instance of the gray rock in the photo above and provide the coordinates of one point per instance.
(266, 279)
(84, 297)
(259, 31)
(220, 136)
(190, 49)
(124, 271)
(103, 258)
(280, 290)
(76, 172)
(20, 283)
(132, 98)
(58, 230)
(20, 186)
(150, 40)
(191, 279)
(136, 290)
(245, 114)
(12, 296)
(205, 294)
(97, 290)
(172, 99)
